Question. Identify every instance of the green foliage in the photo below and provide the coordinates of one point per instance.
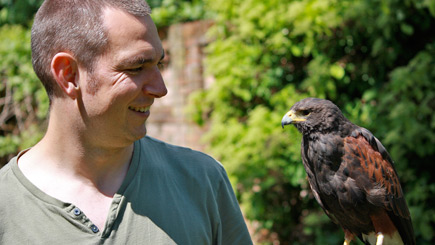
(407, 124)
(374, 59)
(23, 104)
(409, 105)
(167, 12)
(18, 11)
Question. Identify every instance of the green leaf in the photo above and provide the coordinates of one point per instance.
(336, 71)
(407, 29)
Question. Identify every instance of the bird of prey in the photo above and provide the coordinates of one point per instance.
(351, 175)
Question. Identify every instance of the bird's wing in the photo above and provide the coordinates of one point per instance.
(373, 169)
(313, 183)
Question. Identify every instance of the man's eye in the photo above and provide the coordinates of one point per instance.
(134, 70)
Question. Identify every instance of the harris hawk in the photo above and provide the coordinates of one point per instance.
(351, 175)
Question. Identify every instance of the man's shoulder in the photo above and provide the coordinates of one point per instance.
(6, 174)
(175, 149)
(8, 183)
(4, 170)
(180, 155)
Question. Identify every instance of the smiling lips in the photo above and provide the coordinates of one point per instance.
(139, 109)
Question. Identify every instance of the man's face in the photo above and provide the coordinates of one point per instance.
(125, 81)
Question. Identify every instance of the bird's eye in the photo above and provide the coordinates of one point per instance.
(305, 112)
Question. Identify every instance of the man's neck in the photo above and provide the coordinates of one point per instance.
(65, 154)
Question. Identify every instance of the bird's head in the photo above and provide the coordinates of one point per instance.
(314, 115)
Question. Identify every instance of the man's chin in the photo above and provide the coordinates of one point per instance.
(140, 134)
(136, 134)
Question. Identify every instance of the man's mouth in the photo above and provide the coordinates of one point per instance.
(139, 109)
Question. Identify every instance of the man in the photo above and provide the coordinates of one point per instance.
(95, 178)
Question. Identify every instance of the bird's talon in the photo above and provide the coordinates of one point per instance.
(379, 239)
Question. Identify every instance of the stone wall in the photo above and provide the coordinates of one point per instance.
(183, 74)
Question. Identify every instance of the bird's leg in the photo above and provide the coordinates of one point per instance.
(346, 242)
(379, 238)
(348, 237)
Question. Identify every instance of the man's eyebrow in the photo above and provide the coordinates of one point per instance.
(135, 61)
(139, 60)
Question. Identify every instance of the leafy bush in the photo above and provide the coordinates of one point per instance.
(23, 103)
(374, 59)
(18, 11)
(407, 126)
(167, 12)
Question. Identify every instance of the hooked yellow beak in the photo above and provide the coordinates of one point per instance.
(292, 117)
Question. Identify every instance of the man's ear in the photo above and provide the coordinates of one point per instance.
(64, 69)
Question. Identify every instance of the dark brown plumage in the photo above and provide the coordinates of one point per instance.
(351, 174)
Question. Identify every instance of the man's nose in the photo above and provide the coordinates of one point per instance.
(156, 85)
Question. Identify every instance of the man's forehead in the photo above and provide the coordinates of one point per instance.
(129, 33)
(119, 23)
(119, 20)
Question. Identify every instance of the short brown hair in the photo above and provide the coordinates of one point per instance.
(74, 26)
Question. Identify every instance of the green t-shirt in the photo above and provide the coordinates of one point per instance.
(171, 195)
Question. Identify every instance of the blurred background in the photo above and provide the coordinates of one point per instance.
(233, 69)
